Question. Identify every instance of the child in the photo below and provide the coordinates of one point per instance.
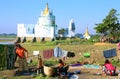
(62, 67)
(40, 65)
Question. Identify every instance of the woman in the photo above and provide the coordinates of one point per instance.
(108, 68)
(22, 54)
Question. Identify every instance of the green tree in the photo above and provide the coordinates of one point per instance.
(61, 31)
(110, 26)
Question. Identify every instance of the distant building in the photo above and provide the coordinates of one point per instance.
(86, 35)
(44, 28)
(71, 29)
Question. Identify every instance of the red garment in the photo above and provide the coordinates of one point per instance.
(48, 53)
(109, 66)
(20, 52)
(61, 65)
(118, 46)
(110, 69)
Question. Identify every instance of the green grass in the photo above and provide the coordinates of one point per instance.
(3, 78)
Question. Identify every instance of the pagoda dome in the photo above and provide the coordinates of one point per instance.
(86, 34)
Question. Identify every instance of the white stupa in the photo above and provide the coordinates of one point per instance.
(71, 28)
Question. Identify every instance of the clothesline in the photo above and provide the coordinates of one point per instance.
(57, 52)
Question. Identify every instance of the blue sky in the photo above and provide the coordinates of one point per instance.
(86, 13)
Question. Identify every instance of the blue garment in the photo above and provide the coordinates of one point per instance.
(57, 52)
(109, 53)
(91, 66)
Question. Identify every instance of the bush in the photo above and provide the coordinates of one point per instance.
(50, 63)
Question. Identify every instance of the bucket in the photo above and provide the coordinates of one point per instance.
(48, 71)
(87, 54)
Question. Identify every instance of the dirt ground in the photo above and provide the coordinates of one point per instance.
(86, 73)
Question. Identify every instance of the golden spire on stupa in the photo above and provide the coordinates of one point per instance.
(46, 11)
(86, 33)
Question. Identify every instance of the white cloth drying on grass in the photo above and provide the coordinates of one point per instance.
(35, 53)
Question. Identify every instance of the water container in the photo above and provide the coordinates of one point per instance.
(87, 54)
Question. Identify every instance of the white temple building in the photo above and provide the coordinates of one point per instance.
(44, 28)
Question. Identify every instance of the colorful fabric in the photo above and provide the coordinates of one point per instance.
(109, 66)
(109, 53)
(109, 69)
(57, 52)
(74, 65)
(20, 52)
(91, 66)
(48, 53)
